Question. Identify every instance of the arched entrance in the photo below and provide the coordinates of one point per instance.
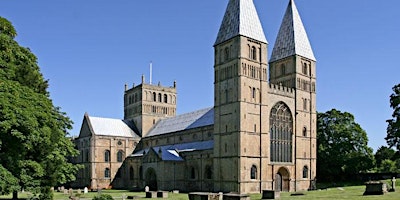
(151, 179)
(282, 182)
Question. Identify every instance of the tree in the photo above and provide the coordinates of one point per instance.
(34, 146)
(342, 146)
(387, 166)
(393, 129)
(8, 182)
(384, 153)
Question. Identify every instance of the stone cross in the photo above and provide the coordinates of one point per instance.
(393, 183)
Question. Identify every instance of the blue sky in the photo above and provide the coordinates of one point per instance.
(90, 49)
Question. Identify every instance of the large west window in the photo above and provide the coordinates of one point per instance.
(281, 132)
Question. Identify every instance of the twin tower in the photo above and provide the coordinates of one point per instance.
(264, 110)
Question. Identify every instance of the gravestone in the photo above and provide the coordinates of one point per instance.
(162, 194)
(146, 189)
(375, 188)
(232, 196)
(151, 194)
(394, 184)
(271, 194)
(85, 190)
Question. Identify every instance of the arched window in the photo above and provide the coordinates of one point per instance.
(154, 96)
(120, 156)
(165, 98)
(253, 172)
(107, 173)
(131, 174)
(281, 126)
(159, 97)
(305, 172)
(305, 69)
(107, 156)
(253, 53)
(305, 131)
(208, 172)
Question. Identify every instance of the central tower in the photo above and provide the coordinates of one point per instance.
(240, 67)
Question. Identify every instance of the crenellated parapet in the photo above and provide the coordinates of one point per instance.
(281, 90)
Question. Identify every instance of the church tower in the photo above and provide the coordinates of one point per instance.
(293, 65)
(145, 104)
(240, 68)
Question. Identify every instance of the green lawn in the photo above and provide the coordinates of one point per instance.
(350, 192)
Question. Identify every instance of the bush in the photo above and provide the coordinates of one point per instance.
(103, 197)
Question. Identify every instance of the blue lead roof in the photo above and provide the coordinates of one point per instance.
(172, 152)
(195, 119)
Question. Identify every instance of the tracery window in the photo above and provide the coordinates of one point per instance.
(281, 133)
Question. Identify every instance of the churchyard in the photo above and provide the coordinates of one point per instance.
(337, 192)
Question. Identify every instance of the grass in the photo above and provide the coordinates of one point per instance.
(346, 192)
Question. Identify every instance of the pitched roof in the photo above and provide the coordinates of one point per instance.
(112, 127)
(173, 152)
(292, 37)
(240, 18)
(195, 119)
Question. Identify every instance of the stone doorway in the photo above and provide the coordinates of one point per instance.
(151, 179)
(282, 182)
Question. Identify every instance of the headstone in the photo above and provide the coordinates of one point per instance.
(62, 188)
(146, 189)
(79, 191)
(271, 194)
(85, 190)
(393, 188)
(151, 194)
(175, 191)
(375, 188)
(162, 194)
(65, 191)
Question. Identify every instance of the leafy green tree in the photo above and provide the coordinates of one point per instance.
(8, 182)
(393, 129)
(387, 166)
(34, 146)
(342, 146)
(384, 153)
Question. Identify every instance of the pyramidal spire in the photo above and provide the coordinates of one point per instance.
(292, 37)
(240, 18)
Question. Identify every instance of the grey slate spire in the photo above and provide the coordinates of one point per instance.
(240, 18)
(292, 37)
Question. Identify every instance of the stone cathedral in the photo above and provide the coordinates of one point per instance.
(260, 134)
